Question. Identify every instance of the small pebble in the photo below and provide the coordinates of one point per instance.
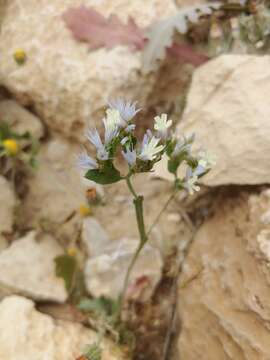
(174, 217)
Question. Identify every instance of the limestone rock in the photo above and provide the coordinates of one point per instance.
(55, 192)
(66, 83)
(228, 109)
(104, 274)
(28, 268)
(225, 285)
(94, 237)
(26, 334)
(7, 205)
(20, 119)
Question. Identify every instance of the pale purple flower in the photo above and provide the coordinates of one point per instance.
(200, 169)
(147, 136)
(183, 145)
(150, 147)
(93, 136)
(126, 109)
(84, 161)
(130, 156)
(130, 128)
(190, 183)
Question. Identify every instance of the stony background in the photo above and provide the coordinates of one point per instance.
(223, 288)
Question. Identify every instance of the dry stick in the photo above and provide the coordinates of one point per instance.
(169, 335)
(161, 212)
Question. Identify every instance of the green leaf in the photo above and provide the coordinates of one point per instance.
(93, 352)
(173, 165)
(108, 175)
(101, 305)
(33, 163)
(5, 131)
(170, 146)
(178, 184)
(65, 268)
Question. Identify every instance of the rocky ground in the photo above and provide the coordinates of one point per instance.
(201, 287)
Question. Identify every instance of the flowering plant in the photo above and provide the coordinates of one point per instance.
(16, 149)
(141, 157)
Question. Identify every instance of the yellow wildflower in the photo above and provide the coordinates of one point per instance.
(19, 56)
(11, 146)
(71, 251)
(85, 210)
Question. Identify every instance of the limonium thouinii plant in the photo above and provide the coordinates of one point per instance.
(141, 156)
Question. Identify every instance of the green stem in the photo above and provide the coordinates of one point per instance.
(127, 276)
(131, 188)
(138, 204)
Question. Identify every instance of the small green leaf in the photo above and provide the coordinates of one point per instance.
(105, 176)
(5, 131)
(93, 352)
(65, 267)
(101, 305)
(170, 146)
(173, 165)
(178, 184)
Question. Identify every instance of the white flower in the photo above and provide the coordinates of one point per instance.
(102, 154)
(183, 145)
(84, 161)
(124, 140)
(130, 156)
(130, 128)
(127, 109)
(206, 159)
(111, 123)
(162, 125)
(150, 147)
(94, 138)
(190, 183)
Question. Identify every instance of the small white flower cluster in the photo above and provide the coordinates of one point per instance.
(119, 132)
(196, 166)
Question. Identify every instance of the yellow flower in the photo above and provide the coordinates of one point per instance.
(11, 146)
(85, 210)
(71, 251)
(19, 56)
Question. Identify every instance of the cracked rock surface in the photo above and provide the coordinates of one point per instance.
(224, 289)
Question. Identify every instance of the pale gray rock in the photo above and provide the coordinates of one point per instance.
(28, 268)
(104, 274)
(67, 84)
(55, 192)
(20, 119)
(94, 237)
(7, 206)
(27, 334)
(224, 288)
(228, 110)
